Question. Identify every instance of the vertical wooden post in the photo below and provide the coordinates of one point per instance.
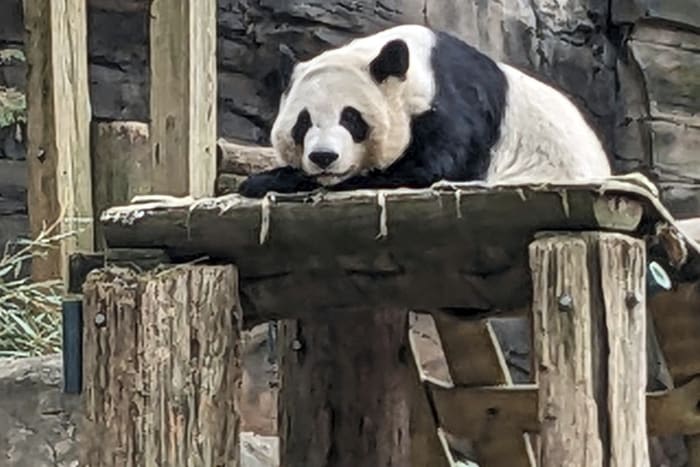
(589, 334)
(162, 368)
(121, 166)
(183, 96)
(345, 396)
(58, 128)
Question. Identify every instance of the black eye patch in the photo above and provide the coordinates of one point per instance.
(301, 127)
(352, 120)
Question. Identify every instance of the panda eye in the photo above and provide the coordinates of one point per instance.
(301, 127)
(352, 120)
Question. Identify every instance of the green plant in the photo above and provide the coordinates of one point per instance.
(30, 312)
(13, 107)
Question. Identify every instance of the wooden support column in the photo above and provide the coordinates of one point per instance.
(183, 97)
(345, 393)
(589, 345)
(161, 367)
(58, 129)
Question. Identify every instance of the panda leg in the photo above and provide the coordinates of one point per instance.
(280, 180)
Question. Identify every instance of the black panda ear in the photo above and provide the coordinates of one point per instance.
(392, 61)
(287, 62)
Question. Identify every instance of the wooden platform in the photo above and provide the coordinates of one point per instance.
(463, 244)
(459, 246)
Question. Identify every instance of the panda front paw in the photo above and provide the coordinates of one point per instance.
(281, 180)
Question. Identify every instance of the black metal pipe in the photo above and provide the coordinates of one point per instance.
(72, 324)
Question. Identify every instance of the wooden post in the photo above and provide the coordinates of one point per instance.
(121, 161)
(345, 396)
(589, 345)
(58, 129)
(161, 368)
(183, 97)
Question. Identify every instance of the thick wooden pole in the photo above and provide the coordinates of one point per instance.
(345, 397)
(183, 97)
(58, 129)
(162, 368)
(589, 345)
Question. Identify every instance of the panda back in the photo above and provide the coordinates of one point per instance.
(544, 136)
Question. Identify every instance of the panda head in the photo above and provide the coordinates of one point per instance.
(343, 112)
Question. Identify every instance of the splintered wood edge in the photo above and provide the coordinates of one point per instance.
(165, 202)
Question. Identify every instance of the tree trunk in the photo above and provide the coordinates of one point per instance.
(345, 395)
(161, 368)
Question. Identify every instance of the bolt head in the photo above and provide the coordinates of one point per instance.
(566, 303)
(100, 319)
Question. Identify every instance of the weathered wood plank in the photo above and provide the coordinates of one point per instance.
(475, 359)
(161, 365)
(183, 97)
(623, 268)
(58, 129)
(581, 283)
(471, 411)
(244, 159)
(428, 447)
(345, 394)
(367, 245)
(191, 341)
(122, 169)
(113, 383)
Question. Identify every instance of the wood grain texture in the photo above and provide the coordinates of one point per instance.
(121, 166)
(114, 390)
(58, 129)
(474, 358)
(162, 369)
(183, 96)
(623, 268)
(244, 159)
(345, 393)
(191, 339)
(428, 446)
(592, 409)
(367, 246)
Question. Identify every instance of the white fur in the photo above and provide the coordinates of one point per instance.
(544, 137)
(339, 78)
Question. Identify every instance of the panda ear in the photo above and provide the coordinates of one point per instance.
(392, 61)
(287, 62)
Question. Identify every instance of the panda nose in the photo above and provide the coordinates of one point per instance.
(323, 159)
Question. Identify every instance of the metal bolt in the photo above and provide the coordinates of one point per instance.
(100, 319)
(296, 345)
(631, 300)
(566, 303)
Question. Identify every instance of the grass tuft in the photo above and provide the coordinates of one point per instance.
(30, 312)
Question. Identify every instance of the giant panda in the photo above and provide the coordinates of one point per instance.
(410, 106)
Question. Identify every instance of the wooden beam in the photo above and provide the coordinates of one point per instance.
(428, 446)
(183, 97)
(244, 159)
(589, 338)
(496, 444)
(345, 393)
(468, 412)
(366, 245)
(162, 367)
(58, 129)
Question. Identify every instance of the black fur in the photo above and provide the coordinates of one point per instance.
(301, 127)
(352, 120)
(393, 60)
(451, 141)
